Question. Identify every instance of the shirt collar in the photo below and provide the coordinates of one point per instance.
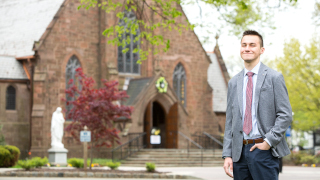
(255, 70)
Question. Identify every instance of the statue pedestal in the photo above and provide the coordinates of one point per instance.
(58, 156)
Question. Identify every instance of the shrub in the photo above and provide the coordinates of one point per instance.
(308, 159)
(113, 165)
(77, 162)
(39, 162)
(15, 154)
(27, 165)
(5, 157)
(9, 155)
(150, 167)
(296, 157)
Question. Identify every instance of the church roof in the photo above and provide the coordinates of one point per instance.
(218, 78)
(134, 89)
(22, 22)
(11, 68)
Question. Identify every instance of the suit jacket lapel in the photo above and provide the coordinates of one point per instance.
(261, 76)
(240, 90)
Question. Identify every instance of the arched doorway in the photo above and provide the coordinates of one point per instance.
(155, 117)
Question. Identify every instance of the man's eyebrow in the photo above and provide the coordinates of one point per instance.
(248, 43)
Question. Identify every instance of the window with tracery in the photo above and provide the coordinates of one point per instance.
(71, 67)
(127, 61)
(11, 98)
(179, 83)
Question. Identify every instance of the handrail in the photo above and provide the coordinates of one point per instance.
(213, 138)
(129, 143)
(196, 144)
(200, 147)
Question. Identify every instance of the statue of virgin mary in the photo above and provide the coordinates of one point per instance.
(57, 129)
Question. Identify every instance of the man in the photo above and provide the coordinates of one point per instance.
(258, 114)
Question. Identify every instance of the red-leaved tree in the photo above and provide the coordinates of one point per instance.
(96, 108)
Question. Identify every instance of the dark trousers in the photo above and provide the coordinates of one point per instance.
(256, 165)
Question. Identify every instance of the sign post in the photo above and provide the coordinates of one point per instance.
(85, 137)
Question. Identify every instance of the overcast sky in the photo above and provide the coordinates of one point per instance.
(293, 22)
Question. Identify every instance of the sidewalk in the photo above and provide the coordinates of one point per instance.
(212, 173)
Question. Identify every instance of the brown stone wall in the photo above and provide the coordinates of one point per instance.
(187, 50)
(76, 32)
(16, 123)
(72, 32)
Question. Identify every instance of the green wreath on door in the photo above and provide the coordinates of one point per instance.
(162, 85)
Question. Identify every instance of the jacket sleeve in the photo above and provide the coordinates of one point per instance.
(283, 112)
(227, 141)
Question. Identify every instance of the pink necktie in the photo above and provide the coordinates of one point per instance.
(247, 125)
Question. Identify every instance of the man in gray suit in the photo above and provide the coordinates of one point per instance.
(258, 114)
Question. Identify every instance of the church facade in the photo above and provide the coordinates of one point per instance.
(73, 38)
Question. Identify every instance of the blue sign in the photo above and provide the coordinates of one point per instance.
(288, 132)
(85, 136)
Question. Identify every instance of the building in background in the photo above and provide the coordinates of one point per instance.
(45, 41)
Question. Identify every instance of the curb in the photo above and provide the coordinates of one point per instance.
(93, 175)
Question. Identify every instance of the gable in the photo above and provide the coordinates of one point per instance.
(22, 22)
(218, 83)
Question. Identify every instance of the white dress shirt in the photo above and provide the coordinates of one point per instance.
(254, 133)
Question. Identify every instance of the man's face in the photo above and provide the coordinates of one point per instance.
(250, 48)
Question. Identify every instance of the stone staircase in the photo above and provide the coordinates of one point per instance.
(175, 158)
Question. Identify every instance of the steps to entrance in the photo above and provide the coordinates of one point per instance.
(175, 158)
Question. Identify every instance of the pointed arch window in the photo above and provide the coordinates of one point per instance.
(179, 83)
(71, 67)
(11, 98)
(127, 61)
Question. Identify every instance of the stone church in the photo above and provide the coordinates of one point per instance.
(44, 41)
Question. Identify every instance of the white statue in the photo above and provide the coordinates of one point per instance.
(57, 129)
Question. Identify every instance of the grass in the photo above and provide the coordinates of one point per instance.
(16, 166)
(102, 162)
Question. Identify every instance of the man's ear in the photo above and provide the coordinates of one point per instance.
(262, 50)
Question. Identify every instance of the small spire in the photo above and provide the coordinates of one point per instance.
(217, 38)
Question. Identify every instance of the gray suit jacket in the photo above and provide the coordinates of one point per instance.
(273, 113)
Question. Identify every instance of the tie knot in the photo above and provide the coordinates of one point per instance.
(250, 74)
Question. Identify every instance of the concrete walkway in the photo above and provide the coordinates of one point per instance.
(212, 173)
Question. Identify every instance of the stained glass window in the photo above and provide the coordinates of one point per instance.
(127, 62)
(11, 98)
(179, 83)
(72, 65)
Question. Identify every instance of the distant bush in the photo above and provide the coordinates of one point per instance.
(39, 162)
(26, 164)
(5, 157)
(76, 162)
(113, 165)
(308, 159)
(9, 155)
(150, 167)
(299, 158)
(32, 163)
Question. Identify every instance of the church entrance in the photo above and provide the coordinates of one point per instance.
(159, 123)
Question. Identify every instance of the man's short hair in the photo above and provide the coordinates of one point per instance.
(254, 33)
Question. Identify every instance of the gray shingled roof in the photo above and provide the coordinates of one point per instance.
(22, 22)
(10, 68)
(134, 89)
